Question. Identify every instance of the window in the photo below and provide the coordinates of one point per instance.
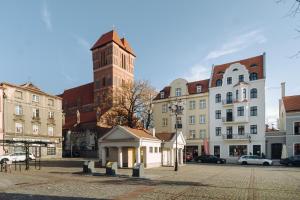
(253, 65)
(103, 81)
(219, 82)
(151, 149)
(18, 110)
(253, 76)
(155, 149)
(18, 95)
(35, 129)
(202, 134)
(50, 131)
(50, 102)
(202, 104)
(237, 150)
(218, 98)
(192, 119)
(162, 95)
(229, 97)
(51, 115)
(229, 130)
(97, 84)
(165, 122)
(244, 93)
(192, 105)
(199, 88)
(253, 129)
(241, 78)
(35, 98)
(35, 113)
(253, 93)
(218, 114)
(51, 151)
(218, 131)
(192, 134)
(241, 130)
(253, 111)
(19, 127)
(202, 119)
(229, 80)
(297, 128)
(165, 108)
(178, 92)
(240, 111)
(297, 149)
(235, 69)
(237, 95)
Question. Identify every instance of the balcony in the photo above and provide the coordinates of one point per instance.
(19, 117)
(228, 102)
(245, 136)
(179, 126)
(36, 119)
(228, 119)
(51, 121)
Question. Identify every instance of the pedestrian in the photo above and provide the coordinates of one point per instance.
(7, 165)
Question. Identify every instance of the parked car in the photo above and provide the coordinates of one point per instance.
(254, 160)
(17, 156)
(293, 160)
(210, 159)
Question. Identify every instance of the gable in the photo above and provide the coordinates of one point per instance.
(118, 134)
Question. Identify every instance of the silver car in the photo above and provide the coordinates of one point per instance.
(16, 157)
(254, 160)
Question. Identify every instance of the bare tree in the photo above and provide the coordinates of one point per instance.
(130, 103)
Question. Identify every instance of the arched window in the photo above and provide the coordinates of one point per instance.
(244, 93)
(219, 82)
(218, 98)
(253, 93)
(229, 97)
(253, 76)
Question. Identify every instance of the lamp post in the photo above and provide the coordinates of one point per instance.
(71, 146)
(176, 108)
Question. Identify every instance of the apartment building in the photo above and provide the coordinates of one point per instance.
(237, 108)
(27, 113)
(194, 121)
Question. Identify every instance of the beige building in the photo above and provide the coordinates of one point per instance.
(193, 122)
(27, 113)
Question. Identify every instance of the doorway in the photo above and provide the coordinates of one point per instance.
(276, 150)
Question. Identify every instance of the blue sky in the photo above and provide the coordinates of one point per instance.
(47, 42)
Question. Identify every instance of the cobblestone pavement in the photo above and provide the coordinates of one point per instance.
(192, 181)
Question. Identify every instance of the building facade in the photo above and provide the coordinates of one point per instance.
(289, 121)
(194, 121)
(237, 108)
(113, 65)
(27, 113)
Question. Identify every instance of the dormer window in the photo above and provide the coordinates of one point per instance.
(178, 92)
(253, 76)
(219, 82)
(162, 95)
(253, 65)
(199, 88)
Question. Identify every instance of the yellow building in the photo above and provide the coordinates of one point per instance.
(193, 122)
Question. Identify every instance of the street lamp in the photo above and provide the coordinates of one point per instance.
(71, 146)
(176, 108)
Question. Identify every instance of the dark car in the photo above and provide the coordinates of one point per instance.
(293, 160)
(210, 159)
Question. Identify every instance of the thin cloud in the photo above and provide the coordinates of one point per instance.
(237, 44)
(198, 72)
(82, 42)
(46, 16)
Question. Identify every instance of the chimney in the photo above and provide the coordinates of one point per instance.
(283, 89)
(153, 132)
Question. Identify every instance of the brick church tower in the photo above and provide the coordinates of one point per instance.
(113, 65)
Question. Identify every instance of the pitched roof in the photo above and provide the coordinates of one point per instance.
(166, 91)
(165, 136)
(112, 36)
(83, 92)
(292, 103)
(192, 86)
(141, 133)
(253, 64)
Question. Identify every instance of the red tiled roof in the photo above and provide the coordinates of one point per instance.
(165, 136)
(141, 133)
(112, 36)
(166, 90)
(292, 103)
(84, 92)
(248, 63)
(192, 86)
(85, 117)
